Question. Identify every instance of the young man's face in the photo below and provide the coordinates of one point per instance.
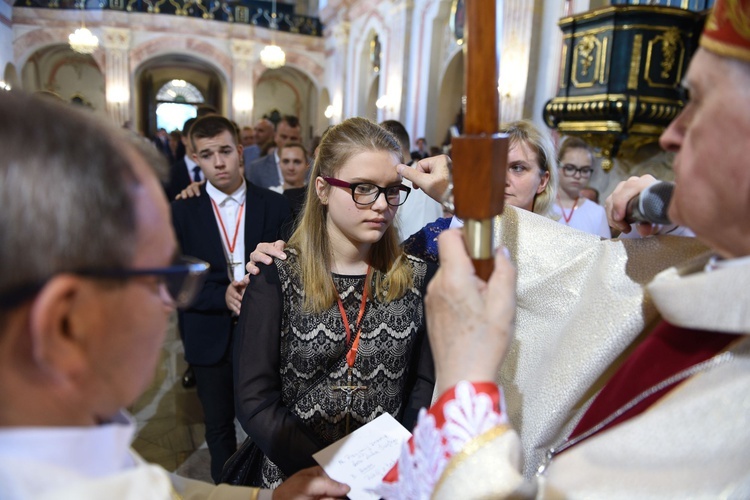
(219, 159)
(286, 134)
(294, 167)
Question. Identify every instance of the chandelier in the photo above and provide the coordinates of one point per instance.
(83, 41)
(272, 56)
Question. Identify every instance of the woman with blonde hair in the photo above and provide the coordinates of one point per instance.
(335, 335)
(530, 183)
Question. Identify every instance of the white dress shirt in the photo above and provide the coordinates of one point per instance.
(229, 205)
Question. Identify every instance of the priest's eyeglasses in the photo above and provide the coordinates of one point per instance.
(182, 280)
(572, 170)
(366, 193)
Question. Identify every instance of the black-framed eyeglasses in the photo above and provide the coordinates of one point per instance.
(182, 281)
(366, 193)
(572, 170)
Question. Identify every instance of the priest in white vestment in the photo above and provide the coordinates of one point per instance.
(630, 373)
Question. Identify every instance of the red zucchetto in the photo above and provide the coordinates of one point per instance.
(727, 30)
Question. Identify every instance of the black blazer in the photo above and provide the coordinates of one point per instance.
(206, 326)
(178, 179)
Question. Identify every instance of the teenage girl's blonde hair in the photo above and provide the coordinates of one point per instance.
(540, 143)
(392, 273)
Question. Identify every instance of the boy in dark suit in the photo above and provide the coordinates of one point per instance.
(221, 227)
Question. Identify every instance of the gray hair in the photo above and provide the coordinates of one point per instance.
(66, 185)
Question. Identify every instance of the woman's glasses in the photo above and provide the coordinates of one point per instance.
(365, 193)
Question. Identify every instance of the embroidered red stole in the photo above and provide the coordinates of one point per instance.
(666, 351)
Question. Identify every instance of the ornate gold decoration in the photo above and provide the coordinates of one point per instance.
(228, 11)
(180, 7)
(603, 57)
(670, 44)
(242, 14)
(586, 53)
(585, 49)
(563, 64)
(207, 11)
(635, 62)
(154, 7)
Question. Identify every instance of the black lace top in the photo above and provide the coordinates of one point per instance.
(288, 364)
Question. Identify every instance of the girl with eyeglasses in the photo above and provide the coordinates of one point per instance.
(334, 335)
(576, 166)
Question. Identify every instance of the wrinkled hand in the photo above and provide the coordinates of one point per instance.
(432, 175)
(191, 191)
(264, 253)
(616, 203)
(233, 296)
(310, 483)
(470, 322)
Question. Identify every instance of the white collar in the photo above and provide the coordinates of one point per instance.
(220, 197)
(190, 163)
(716, 262)
(94, 451)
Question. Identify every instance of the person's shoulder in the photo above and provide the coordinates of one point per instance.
(187, 204)
(289, 267)
(422, 270)
(267, 195)
(262, 160)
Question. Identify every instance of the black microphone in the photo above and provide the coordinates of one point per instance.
(651, 204)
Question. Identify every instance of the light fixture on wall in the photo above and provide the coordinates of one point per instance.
(328, 113)
(272, 56)
(385, 103)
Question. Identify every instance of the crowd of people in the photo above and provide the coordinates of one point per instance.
(585, 366)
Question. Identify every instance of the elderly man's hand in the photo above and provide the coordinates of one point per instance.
(432, 175)
(616, 204)
(470, 322)
(191, 191)
(309, 484)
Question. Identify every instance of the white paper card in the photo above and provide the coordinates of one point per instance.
(362, 458)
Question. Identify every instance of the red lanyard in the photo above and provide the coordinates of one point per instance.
(224, 229)
(351, 356)
(567, 217)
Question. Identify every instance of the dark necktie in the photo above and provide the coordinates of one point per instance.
(196, 174)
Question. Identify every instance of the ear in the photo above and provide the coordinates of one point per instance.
(56, 348)
(543, 184)
(321, 188)
(240, 147)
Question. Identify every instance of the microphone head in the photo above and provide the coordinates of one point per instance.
(654, 202)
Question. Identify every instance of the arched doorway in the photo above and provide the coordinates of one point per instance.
(288, 91)
(201, 80)
(324, 118)
(452, 90)
(73, 77)
(176, 102)
(10, 78)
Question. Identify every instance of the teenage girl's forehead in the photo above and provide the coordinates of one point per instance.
(371, 165)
